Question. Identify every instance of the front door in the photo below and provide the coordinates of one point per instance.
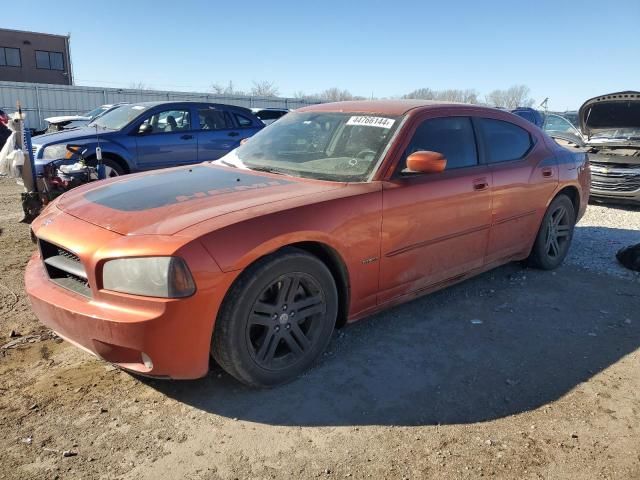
(435, 227)
(166, 139)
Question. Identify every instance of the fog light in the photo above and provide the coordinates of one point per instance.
(146, 359)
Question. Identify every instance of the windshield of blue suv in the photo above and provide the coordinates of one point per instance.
(119, 117)
(341, 147)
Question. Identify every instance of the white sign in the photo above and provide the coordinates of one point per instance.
(371, 121)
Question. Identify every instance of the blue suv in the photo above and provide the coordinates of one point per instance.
(148, 135)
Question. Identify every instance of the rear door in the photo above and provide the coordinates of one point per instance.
(435, 226)
(523, 181)
(217, 132)
(169, 140)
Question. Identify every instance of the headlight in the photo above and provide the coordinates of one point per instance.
(166, 277)
(56, 152)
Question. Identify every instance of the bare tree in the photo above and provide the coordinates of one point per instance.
(512, 97)
(334, 94)
(139, 86)
(228, 89)
(450, 95)
(264, 88)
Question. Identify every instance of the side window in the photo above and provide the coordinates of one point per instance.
(504, 141)
(243, 121)
(169, 121)
(451, 136)
(214, 119)
(270, 114)
(555, 123)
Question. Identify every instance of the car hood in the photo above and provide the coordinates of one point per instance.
(610, 112)
(72, 135)
(167, 201)
(65, 118)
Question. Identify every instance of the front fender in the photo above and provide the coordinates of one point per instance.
(349, 226)
(108, 147)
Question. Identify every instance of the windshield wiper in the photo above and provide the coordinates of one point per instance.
(262, 168)
(227, 164)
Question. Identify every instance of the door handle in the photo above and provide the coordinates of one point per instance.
(480, 184)
(233, 134)
(186, 137)
(547, 172)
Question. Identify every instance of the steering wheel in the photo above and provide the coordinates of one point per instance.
(362, 153)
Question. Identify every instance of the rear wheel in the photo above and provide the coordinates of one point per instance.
(276, 319)
(555, 234)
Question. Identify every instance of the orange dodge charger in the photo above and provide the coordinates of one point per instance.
(332, 213)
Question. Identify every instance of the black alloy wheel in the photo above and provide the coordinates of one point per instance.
(285, 320)
(555, 234)
(276, 319)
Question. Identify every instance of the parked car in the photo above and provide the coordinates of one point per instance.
(611, 127)
(151, 135)
(269, 115)
(334, 212)
(4, 130)
(562, 130)
(530, 114)
(67, 122)
(609, 131)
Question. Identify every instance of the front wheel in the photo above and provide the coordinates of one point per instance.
(276, 319)
(111, 167)
(555, 234)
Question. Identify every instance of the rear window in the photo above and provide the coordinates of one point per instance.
(243, 121)
(504, 141)
(269, 114)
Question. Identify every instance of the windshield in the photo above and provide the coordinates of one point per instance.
(119, 117)
(618, 134)
(342, 147)
(95, 112)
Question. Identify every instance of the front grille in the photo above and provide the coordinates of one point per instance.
(34, 149)
(615, 177)
(64, 268)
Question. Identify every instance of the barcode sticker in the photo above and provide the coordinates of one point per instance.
(371, 121)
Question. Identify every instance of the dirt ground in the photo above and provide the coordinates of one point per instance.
(515, 374)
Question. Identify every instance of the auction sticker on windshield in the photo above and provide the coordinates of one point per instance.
(371, 121)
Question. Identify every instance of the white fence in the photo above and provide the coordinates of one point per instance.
(41, 101)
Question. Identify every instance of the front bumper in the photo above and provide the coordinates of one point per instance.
(614, 178)
(157, 337)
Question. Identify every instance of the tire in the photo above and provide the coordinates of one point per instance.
(555, 235)
(112, 167)
(276, 319)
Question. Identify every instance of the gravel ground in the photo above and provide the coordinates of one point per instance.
(603, 231)
(516, 373)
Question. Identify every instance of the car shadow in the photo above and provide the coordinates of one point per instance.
(595, 248)
(506, 342)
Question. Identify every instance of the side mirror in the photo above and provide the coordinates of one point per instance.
(426, 162)
(145, 129)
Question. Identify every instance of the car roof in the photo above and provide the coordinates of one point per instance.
(386, 107)
(182, 102)
(274, 109)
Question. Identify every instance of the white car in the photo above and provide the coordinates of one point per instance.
(67, 122)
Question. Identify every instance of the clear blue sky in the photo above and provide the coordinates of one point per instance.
(565, 50)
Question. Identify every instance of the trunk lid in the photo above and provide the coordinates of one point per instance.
(168, 201)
